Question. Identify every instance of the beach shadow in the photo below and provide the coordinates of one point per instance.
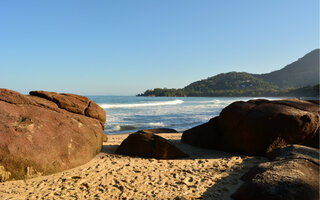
(226, 186)
(223, 187)
(195, 152)
(109, 149)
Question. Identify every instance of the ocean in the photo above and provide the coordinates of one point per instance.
(130, 113)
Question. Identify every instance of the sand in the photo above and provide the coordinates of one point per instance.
(206, 174)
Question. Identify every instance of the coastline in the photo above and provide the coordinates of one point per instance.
(205, 174)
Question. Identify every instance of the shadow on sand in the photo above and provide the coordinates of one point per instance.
(193, 151)
(109, 149)
(226, 186)
(223, 187)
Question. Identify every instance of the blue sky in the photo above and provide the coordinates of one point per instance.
(123, 47)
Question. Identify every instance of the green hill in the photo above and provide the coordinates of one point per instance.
(303, 72)
(225, 84)
(229, 81)
(230, 84)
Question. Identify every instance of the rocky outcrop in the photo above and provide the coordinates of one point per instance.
(258, 126)
(47, 132)
(148, 145)
(293, 174)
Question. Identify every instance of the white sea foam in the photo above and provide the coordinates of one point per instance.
(122, 127)
(159, 103)
(156, 124)
(116, 128)
(218, 102)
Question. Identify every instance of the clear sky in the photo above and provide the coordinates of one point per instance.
(123, 47)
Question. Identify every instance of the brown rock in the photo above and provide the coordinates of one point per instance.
(258, 126)
(205, 135)
(149, 146)
(314, 101)
(288, 179)
(43, 102)
(159, 130)
(313, 141)
(105, 138)
(96, 112)
(38, 138)
(293, 174)
(10, 96)
(74, 103)
(295, 152)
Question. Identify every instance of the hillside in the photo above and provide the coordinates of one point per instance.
(225, 84)
(303, 72)
(308, 91)
(298, 78)
(229, 81)
(229, 84)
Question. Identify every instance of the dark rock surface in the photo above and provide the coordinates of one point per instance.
(149, 145)
(258, 126)
(47, 133)
(293, 174)
(295, 152)
(205, 135)
(159, 130)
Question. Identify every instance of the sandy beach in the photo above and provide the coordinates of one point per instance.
(206, 174)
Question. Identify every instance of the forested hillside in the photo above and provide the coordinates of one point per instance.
(300, 78)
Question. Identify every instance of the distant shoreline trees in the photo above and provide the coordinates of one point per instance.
(233, 84)
(308, 91)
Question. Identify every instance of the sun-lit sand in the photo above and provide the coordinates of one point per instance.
(206, 174)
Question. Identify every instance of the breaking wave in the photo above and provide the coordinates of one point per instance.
(161, 103)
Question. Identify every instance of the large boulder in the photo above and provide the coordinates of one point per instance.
(258, 126)
(42, 135)
(148, 145)
(292, 174)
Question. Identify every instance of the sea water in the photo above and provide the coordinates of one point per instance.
(130, 113)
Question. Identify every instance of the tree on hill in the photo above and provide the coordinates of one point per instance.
(226, 84)
(230, 81)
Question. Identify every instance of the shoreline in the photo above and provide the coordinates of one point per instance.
(205, 174)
